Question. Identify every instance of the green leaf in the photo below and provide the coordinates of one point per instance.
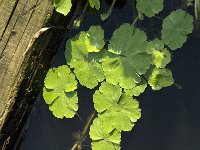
(149, 7)
(121, 109)
(62, 6)
(128, 58)
(86, 66)
(95, 39)
(176, 27)
(95, 3)
(160, 56)
(103, 136)
(160, 78)
(138, 89)
(58, 92)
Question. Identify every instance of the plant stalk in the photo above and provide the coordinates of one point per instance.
(78, 144)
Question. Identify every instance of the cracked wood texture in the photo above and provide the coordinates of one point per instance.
(19, 20)
(21, 76)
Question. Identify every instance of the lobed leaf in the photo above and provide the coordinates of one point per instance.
(159, 78)
(103, 136)
(138, 89)
(58, 92)
(160, 56)
(149, 7)
(62, 6)
(176, 27)
(128, 58)
(95, 4)
(86, 65)
(122, 109)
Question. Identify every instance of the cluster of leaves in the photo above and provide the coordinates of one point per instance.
(122, 68)
(64, 6)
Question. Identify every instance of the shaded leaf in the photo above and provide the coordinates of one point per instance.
(176, 27)
(149, 7)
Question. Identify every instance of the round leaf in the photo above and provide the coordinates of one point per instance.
(95, 4)
(149, 7)
(95, 39)
(86, 66)
(160, 56)
(103, 136)
(122, 109)
(160, 78)
(62, 6)
(129, 59)
(58, 92)
(176, 27)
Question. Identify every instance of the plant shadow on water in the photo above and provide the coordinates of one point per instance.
(170, 117)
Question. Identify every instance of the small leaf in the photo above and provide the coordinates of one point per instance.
(95, 4)
(103, 136)
(160, 56)
(128, 58)
(149, 7)
(86, 65)
(95, 39)
(122, 109)
(59, 93)
(160, 78)
(176, 27)
(62, 6)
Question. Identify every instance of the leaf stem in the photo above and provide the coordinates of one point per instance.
(81, 16)
(78, 143)
(135, 20)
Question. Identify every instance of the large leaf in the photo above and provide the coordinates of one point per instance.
(128, 58)
(62, 6)
(86, 66)
(95, 3)
(176, 27)
(160, 78)
(149, 7)
(122, 109)
(58, 92)
(103, 136)
(160, 56)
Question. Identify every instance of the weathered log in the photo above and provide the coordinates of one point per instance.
(22, 70)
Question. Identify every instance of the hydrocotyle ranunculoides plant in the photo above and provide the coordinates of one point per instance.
(121, 69)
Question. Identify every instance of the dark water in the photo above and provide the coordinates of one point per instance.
(170, 117)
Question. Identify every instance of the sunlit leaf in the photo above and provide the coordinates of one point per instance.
(103, 136)
(95, 4)
(149, 7)
(176, 27)
(160, 78)
(62, 6)
(138, 89)
(160, 56)
(122, 109)
(86, 66)
(58, 92)
(128, 58)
